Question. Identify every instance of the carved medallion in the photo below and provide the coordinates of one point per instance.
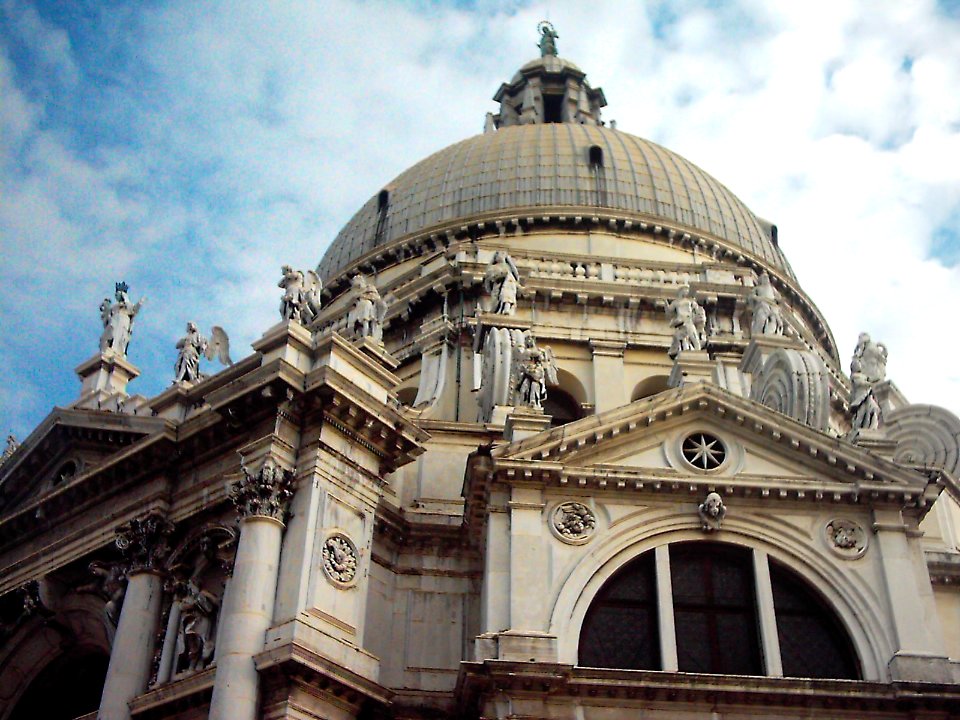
(573, 522)
(846, 538)
(340, 558)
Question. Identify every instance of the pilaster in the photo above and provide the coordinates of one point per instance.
(608, 382)
(104, 379)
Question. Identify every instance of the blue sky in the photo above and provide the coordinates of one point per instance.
(193, 148)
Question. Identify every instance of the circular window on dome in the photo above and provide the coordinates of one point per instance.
(703, 451)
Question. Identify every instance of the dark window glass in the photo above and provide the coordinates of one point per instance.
(68, 687)
(552, 108)
(813, 642)
(714, 609)
(620, 630)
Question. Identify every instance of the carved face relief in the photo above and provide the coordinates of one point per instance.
(340, 558)
(846, 538)
(573, 522)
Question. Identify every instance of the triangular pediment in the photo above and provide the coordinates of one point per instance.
(68, 443)
(642, 442)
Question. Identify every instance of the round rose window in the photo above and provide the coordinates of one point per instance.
(703, 451)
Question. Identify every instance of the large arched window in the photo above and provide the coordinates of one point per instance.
(68, 687)
(699, 607)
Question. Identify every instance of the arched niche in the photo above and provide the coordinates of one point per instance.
(55, 667)
(571, 385)
(407, 396)
(649, 386)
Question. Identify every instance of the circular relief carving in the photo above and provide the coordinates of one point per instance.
(846, 538)
(703, 451)
(340, 559)
(573, 522)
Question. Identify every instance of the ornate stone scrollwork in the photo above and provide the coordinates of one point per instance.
(846, 538)
(925, 435)
(712, 511)
(265, 493)
(573, 522)
(794, 383)
(340, 559)
(144, 541)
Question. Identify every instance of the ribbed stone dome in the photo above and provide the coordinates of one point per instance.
(532, 169)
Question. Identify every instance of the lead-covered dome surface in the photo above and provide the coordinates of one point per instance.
(540, 167)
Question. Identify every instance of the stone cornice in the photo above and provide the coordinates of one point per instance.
(478, 681)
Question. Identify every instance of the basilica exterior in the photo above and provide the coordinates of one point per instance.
(551, 431)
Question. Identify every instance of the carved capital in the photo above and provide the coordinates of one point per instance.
(264, 493)
(144, 541)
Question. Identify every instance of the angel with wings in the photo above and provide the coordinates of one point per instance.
(369, 310)
(502, 281)
(193, 345)
(537, 368)
(301, 295)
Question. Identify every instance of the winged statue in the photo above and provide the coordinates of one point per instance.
(301, 295)
(195, 345)
(502, 281)
(536, 369)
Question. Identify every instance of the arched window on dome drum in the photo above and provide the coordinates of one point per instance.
(383, 204)
(716, 627)
(813, 642)
(595, 156)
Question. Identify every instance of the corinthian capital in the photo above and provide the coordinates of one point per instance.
(144, 541)
(264, 493)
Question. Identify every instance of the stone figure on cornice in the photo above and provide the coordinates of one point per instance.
(193, 345)
(301, 295)
(365, 319)
(536, 368)
(688, 321)
(502, 281)
(117, 321)
(764, 301)
(867, 368)
(9, 449)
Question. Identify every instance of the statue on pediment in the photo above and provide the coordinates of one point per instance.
(688, 321)
(117, 318)
(195, 345)
(301, 295)
(868, 368)
(764, 301)
(502, 281)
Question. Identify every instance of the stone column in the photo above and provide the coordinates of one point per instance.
(144, 541)
(261, 499)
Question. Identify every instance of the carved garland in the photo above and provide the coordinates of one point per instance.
(573, 522)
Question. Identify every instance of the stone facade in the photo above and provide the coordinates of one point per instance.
(572, 447)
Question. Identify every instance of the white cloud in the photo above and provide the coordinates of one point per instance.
(192, 148)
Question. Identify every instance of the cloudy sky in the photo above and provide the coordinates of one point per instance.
(191, 148)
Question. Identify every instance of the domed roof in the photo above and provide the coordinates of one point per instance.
(530, 169)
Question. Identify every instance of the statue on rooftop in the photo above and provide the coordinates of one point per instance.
(117, 320)
(301, 295)
(764, 301)
(867, 369)
(548, 39)
(193, 345)
(366, 318)
(688, 321)
(10, 448)
(502, 281)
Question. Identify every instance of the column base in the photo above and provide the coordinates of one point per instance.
(516, 646)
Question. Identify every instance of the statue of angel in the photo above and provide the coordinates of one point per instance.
(688, 321)
(871, 357)
(868, 367)
(536, 368)
(369, 310)
(198, 611)
(502, 281)
(764, 301)
(117, 320)
(301, 295)
(110, 583)
(193, 345)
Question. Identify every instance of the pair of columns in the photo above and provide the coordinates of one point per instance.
(261, 499)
